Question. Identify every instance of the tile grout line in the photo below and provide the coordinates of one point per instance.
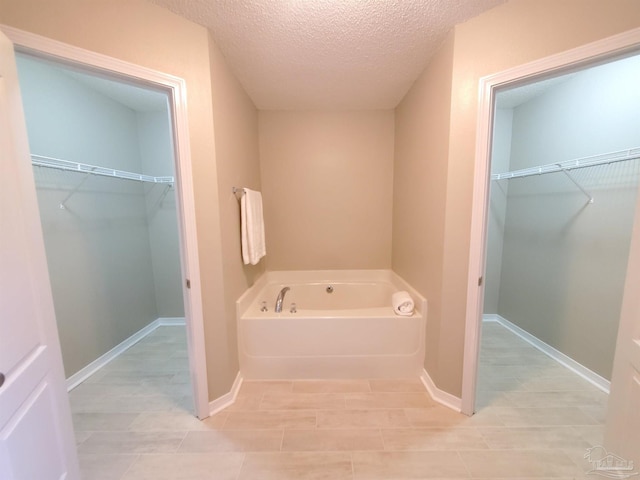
(464, 465)
(353, 466)
(244, 459)
(130, 467)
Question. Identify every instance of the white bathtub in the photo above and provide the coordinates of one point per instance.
(351, 332)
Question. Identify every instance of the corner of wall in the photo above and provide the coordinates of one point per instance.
(420, 189)
(235, 132)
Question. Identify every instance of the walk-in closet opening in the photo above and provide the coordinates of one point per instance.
(565, 165)
(103, 158)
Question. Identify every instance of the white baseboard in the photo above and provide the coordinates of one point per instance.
(77, 378)
(438, 395)
(227, 399)
(568, 362)
(171, 321)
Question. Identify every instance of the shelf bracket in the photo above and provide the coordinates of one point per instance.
(63, 202)
(575, 182)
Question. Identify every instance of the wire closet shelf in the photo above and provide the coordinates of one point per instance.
(57, 163)
(602, 159)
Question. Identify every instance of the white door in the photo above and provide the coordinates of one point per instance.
(622, 436)
(36, 434)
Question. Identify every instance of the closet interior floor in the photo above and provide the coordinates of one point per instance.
(535, 419)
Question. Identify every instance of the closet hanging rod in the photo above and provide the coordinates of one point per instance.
(602, 159)
(50, 162)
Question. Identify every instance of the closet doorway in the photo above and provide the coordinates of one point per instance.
(571, 62)
(138, 275)
(618, 48)
(565, 165)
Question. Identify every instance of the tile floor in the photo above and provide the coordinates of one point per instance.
(535, 420)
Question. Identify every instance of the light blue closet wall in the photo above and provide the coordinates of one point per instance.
(563, 261)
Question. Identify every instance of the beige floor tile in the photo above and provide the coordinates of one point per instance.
(517, 464)
(582, 398)
(139, 352)
(131, 378)
(592, 434)
(532, 438)
(500, 384)
(407, 465)
(507, 347)
(297, 466)
(486, 398)
(102, 421)
(81, 436)
(577, 456)
(232, 441)
(141, 389)
(258, 387)
(554, 384)
(301, 401)
(515, 417)
(271, 419)
(331, 386)
(246, 401)
(180, 353)
(216, 421)
(598, 413)
(104, 467)
(181, 377)
(188, 466)
(89, 389)
(141, 363)
(131, 404)
(419, 439)
(440, 416)
(323, 425)
(397, 385)
(156, 421)
(388, 400)
(526, 371)
(378, 418)
(132, 442)
(332, 440)
(171, 389)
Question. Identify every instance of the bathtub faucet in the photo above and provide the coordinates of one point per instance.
(280, 299)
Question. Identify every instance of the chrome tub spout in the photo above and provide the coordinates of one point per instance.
(280, 299)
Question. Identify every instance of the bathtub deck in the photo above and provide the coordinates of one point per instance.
(535, 420)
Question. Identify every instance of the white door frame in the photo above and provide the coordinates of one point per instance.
(590, 54)
(176, 89)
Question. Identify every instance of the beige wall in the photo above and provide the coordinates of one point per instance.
(138, 32)
(235, 120)
(507, 36)
(327, 182)
(419, 186)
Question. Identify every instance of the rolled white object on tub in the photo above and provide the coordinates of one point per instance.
(402, 303)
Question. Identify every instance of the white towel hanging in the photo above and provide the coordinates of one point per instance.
(253, 244)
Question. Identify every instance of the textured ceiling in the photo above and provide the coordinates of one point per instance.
(328, 54)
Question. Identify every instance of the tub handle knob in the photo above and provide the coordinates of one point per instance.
(264, 308)
(293, 308)
(329, 289)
